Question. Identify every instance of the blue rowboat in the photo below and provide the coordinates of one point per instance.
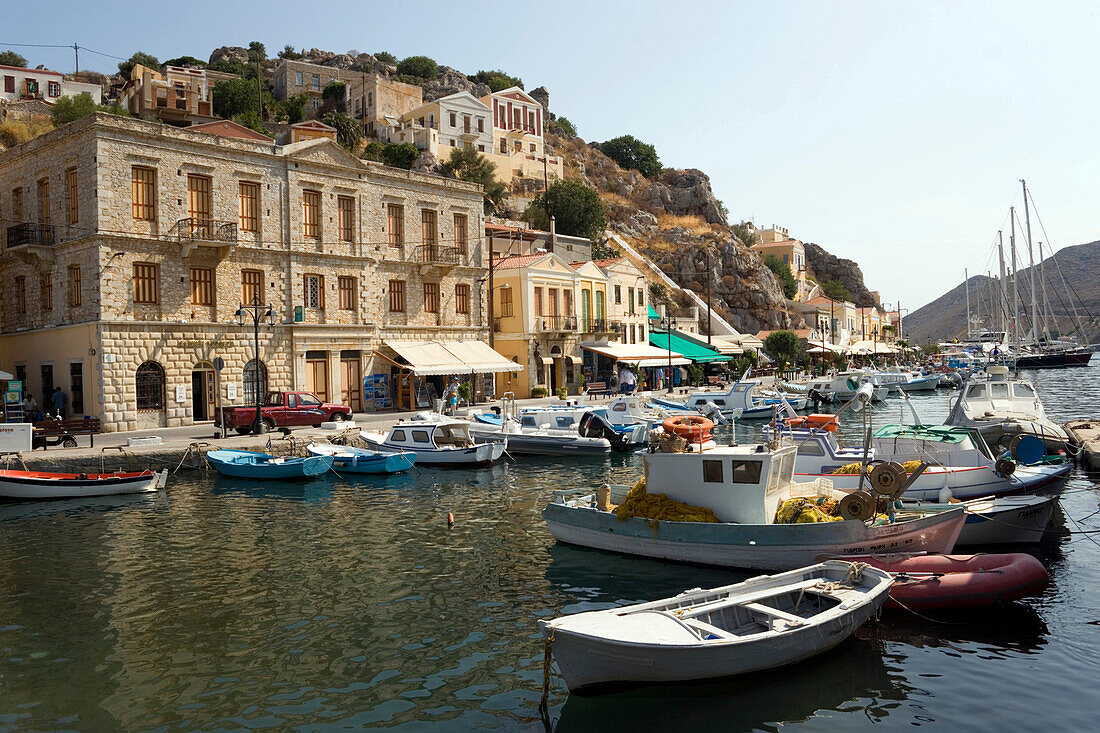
(360, 460)
(246, 464)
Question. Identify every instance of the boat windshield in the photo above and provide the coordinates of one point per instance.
(998, 391)
(1024, 390)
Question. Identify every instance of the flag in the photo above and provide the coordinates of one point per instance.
(269, 445)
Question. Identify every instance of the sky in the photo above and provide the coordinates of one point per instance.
(894, 134)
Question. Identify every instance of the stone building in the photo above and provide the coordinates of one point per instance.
(176, 95)
(131, 245)
(49, 86)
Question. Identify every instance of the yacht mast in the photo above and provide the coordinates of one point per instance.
(1015, 278)
(966, 284)
(1003, 306)
(1048, 314)
(1031, 270)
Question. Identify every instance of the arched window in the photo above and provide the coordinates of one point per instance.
(150, 386)
(254, 372)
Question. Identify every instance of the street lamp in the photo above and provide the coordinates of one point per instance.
(669, 323)
(257, 313)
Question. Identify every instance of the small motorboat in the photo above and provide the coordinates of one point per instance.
(437, 440)
(46, 485)
(246, 464)
(1002, 407)
(938, 582)
(1020, 519)
(349, 459)
(762, 623)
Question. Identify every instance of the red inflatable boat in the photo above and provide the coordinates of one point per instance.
(929, 582)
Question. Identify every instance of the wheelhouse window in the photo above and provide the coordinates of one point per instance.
(146, 283)
(143, 185)
(397, 435)
(149, 386)
(421, 436)
(746, 472)
(712, 472)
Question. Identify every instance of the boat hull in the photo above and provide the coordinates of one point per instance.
(751, 546)
(962, 581)
(920, 385)
(963, 483)
(476, 455)
(1004, 520)
(546, 445)
(44, 485)
(254, 466)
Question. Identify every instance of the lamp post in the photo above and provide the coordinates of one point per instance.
(669, 322)
(256, 312)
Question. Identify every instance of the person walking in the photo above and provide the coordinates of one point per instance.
(30, 408)
(59, 400)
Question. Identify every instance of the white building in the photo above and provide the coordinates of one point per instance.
(49, 86)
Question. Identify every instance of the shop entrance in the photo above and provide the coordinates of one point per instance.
(202, 391)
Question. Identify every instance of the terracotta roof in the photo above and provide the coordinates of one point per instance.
(515, 261)
(606, 262)
(821, 300)
(228, 128)
(800, 332)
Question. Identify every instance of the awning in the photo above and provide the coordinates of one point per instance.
(640, 354)
(4, 376)
(653, 314)
(479, 357)
(548, 361)
(697, 353)
(426, 358)
(872, 347)
(816, 348)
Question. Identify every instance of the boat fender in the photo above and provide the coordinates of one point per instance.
(450, 520)
(945, 496)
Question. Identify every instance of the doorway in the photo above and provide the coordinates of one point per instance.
(202, 392)
(351, 383)
(317, 374)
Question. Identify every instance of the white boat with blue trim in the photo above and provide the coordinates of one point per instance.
(436, 440)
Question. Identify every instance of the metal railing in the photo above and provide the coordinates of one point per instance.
(434, 253)
(595, 325)
(31, 233)
(206, 229)
(557, 323)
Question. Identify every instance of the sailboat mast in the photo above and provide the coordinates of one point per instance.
(1015, 278)
(966, 284)
(1048, 315)
(1002, 305)
(1031, 270)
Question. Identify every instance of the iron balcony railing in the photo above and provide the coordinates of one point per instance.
(207, 229)
(595, 325)
(436, 254)
(557, 323)
(29, 233)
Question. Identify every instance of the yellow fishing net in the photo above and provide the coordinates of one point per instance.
(853, 468)
(808, 510)
(639, 503)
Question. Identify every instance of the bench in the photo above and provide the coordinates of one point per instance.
(89, 426)
(593, 388)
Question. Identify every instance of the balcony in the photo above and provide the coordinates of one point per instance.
(196, 232)
(556, 323)
(30, 233)
(434, 254)
(596, 325)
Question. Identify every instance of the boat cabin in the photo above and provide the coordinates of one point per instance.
(818, 451)
(997, 394)
(422, 435)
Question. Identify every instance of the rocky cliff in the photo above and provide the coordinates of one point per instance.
(677, 222)
(827, 267)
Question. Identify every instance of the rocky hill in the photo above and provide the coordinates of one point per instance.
(945, 317)
(827, 267)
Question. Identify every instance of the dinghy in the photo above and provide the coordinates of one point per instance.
(246, 464)
(762, 623)
(46, 485)
(349, 459)
(939, 582)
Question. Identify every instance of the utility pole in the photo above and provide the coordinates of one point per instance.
(1015, 278)
(1031, 270)
(709, 276)
(76, 52)
(1001, 255)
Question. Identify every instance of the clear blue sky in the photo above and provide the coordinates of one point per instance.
(890, 133)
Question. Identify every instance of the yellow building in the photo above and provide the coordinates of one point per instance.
(311, 130)
(177, 96)
(792, 253)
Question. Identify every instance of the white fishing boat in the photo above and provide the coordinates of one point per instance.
(843, 386)
(48, 485)
(745, 399)
(762, 623)
(1001, 520)
(571, 417)
(919, 382)
(1003, 406)
(436, 441)
(743, 486)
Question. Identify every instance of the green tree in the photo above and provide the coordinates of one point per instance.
(561, 126)
(235, 66)
(630, 152)
(11, 58)
(68, 109)
(467, 164)
(288, 52)
(602, 250)
(930, 349)
(783, 274)
(496, 80)
(576, 208)
(745, 232)
(348, 132)
(421, 67)
(783, 346)
(400, 155)
(252, 120)
(386, 57)
(235, 96)
(139, 57)
(835, 290)
(188, 61)
(373, 151)
(294, 107)
(333, 96)
(256, 52)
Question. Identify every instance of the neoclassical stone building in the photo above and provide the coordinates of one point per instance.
(129, 247)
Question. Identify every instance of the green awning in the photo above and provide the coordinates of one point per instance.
(653, 315)
(698, 353)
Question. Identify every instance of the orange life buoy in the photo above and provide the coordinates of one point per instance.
(694, 428)
(795, 422)
(828, 423)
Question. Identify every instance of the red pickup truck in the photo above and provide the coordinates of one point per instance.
(284, 409)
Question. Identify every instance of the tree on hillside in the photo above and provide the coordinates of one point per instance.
(140, 57)
(835, 290)
(252, 120)
(68, 109)
(745, 232)
(630, 152)
(288, 52)
(235, 96)
(602, 250)
(783, 346)
(188, 61)
(235, 66)
(294, 107)
(420, 67)
(256, 52)
(386, 57)
(333, 96)
(576, 208)
(783, 273)
(348, 132)
(11, 58)
(561, 126)
(496, 80)
(373, 151)
(467, 164)
(400, 155)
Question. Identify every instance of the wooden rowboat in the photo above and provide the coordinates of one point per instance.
(46, 485)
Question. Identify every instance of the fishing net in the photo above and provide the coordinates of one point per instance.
(639, 503)
(853, 468)
(808, 510)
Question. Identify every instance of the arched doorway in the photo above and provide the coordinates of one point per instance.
(150, 394)
(255, 376)
(203, 392)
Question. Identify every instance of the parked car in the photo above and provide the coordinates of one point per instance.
(284, 409)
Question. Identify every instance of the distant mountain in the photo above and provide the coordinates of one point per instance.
(945, 317)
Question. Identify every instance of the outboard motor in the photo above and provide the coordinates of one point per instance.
(594, 426)
(714, 413)
(816, 397)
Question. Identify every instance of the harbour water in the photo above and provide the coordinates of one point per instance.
(344, 604)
